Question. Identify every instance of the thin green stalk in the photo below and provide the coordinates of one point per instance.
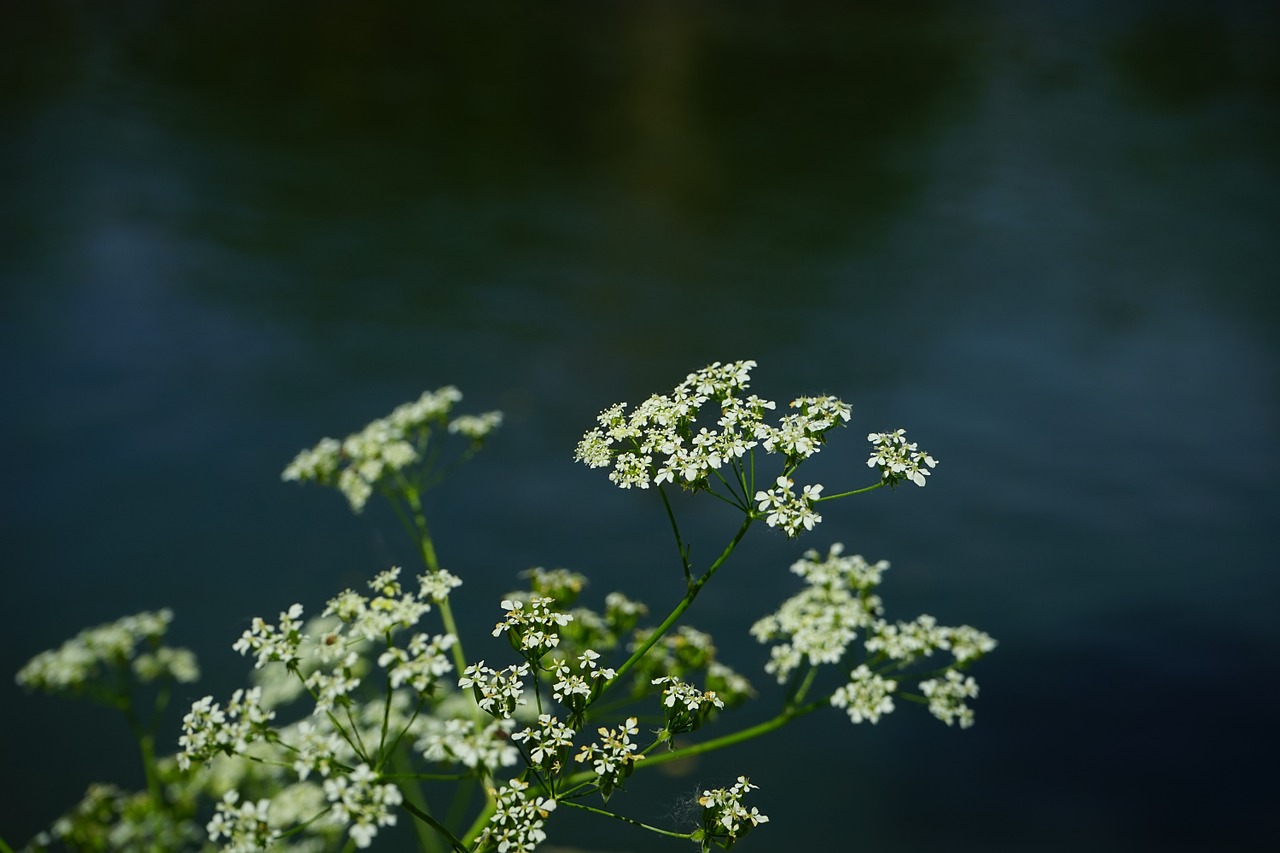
(433, 565)
(478, 825)
(680, 608)
(632, 821)
(434, 824)
(675, 529)
(854, 492)
(413, 794)
(736, 737)
(147, 748)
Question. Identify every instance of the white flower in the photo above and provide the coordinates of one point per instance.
(270, 643)
(866, 696)
(946, 697)
(496, 692)
(545, 740)
(245, 826)
(899, 459)
(613, 757)
(94, 653)
(724, 817)
(787, 510)
(362, 804)
(517, 821)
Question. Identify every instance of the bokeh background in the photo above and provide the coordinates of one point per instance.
(1042, 237)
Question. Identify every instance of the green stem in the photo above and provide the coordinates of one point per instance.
(477, 825)
(433, 565)
(414, 796)
(854, 492)
(680, 546)
(632, 821)
(434, 824)
(680, 608)
(147, 748)
(736, 737)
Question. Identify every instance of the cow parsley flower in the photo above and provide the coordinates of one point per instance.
(547, 740)
(817, 624)
(946, 697)
(866, 696)
(613, 757)
(363, 460)
(899, 459)
(663, 440)
(684, 706)
(788, 510)
(361, 803)
(532, 627)
(208, 729)
(497, 692)
(725, 820)
(517, 821)
(91, 657)
(245, 826)
(270, 643)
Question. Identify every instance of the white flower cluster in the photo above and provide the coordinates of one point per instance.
(575, 689)
(684, 706)
(208, 729)
(476, 427)
(458, 741)
(245, 826)
(562, 585)
(724, 818)
(909, 641)
(817, 624)
(438, 584)
(516, 824)
(421, 664)
(660, 441)
(83, 659)
(946, 697)
(533, 628)
(866, 696)
(390, 609)
(899, 459)
(788, 510)
(614, 757)
(546, 738)
(270, 643)
(497, 692)
(361, 803)
(315, 748)
(387, 445)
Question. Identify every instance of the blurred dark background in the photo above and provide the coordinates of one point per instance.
(1041, 237)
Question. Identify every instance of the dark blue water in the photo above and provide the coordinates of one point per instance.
(1043, 240)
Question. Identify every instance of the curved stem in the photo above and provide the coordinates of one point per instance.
(675, 528)
(432, 563)
(736, 737)
(632, 821)
(854, 492)
(477, 826)
(434, 824)
(680, 608)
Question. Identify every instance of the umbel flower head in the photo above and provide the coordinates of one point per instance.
(88, 662)
(670, 439)
(662, 440)
(358, 463)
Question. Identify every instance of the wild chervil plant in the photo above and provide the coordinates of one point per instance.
(362, 716)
